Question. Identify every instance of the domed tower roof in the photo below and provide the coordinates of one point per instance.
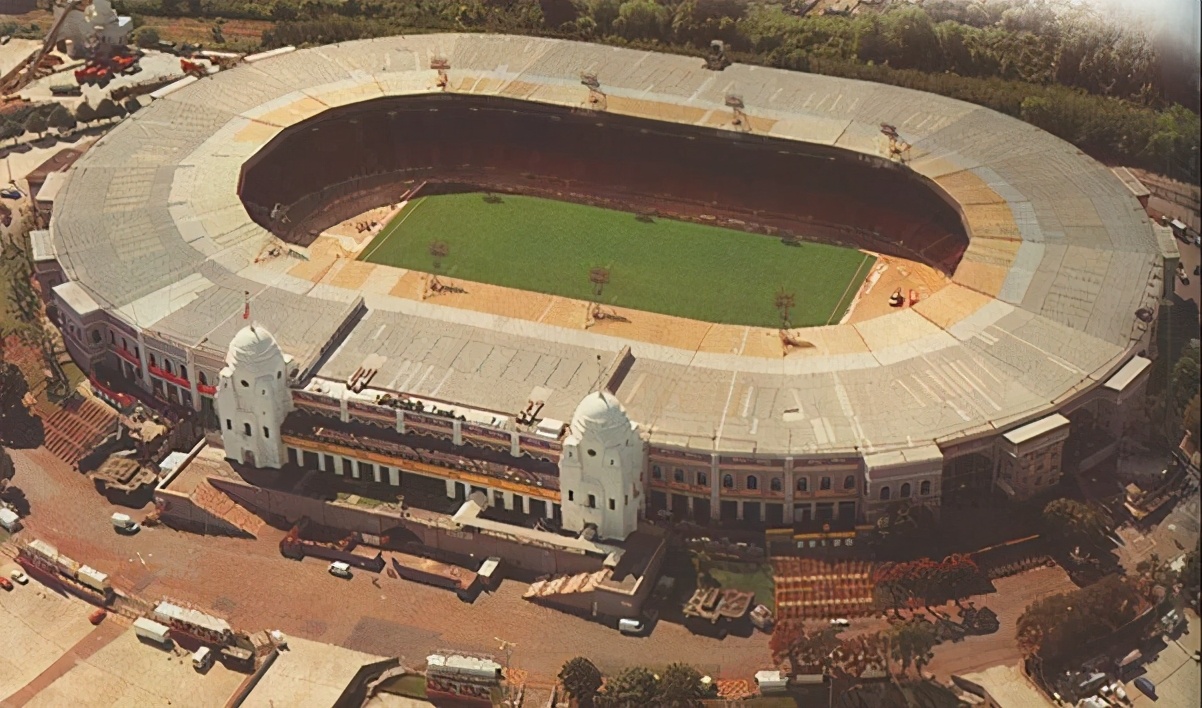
(252, 344)
(599, 411)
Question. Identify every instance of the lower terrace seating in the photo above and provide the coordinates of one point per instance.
(519, 143)
(809, 588)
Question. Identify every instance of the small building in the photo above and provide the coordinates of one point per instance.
(465, 679)
(9, 521)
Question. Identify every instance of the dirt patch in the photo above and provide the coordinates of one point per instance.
(237, 33)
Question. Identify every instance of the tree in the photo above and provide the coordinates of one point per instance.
(131, 105)
(1191, 419)
(107, 109)
(147, 37)
(789, 640)
(36, 123)
(1191, 574)
(642, 19)
(11, 129)
(635, 686)
(581, 679)
(680, 687)
(1057, 627)
(912, 642)
(61, 119)
(1075, 522)
(7, 468)
(84, 113)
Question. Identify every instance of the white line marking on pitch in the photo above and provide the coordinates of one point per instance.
(383, 238)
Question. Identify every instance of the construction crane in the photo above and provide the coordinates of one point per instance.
(26, 72)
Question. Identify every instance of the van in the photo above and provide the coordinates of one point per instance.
(202, 659)
(632, 627)
(123, 523)
(340, 569)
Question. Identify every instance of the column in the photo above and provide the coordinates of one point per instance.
(377, 472)
(525, 504)
(355, 469)
(144, 379)
(739, 513)
(394, 476)
(551, 510)
(451, 489)
(515, 444)
(400, 420)
(193, 377)
(690, 500)
(343, 414)
(456, 433)
(715, 489)
(338, 465)
(507, 500)
(790, 488)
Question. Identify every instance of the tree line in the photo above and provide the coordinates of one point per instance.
(678, 686)
(1086, 80)
(64, 120)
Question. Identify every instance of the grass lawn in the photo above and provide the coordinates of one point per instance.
(677, 268)
(748, 576)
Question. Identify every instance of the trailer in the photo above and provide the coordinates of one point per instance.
(432, 572)
(194, 623)
(152, 631)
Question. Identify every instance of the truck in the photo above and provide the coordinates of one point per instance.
(66, 90)
(152, 631)
(124, 523)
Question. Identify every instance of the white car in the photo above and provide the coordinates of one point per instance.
(19, 577)
(340, 569)
(841, 623)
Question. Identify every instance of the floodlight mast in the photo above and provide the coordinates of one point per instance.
(898, 149)
(596, 97)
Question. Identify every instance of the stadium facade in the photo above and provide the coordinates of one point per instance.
(197, 208)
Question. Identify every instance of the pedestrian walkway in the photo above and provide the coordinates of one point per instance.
(99, 638)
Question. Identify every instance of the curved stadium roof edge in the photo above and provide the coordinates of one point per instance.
(1041, 308)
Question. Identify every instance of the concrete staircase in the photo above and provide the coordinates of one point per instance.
(76, 427)
(223, 506)
(567, 584)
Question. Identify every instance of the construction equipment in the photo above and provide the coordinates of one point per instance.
(898, 148)
(192, 68)
(716, 59)
(442, 66)
(102, 67)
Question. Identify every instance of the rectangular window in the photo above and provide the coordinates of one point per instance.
(229, 424)
(347, 467)
(571, 495)
(266, 433)
(612, 505)
(592, 501)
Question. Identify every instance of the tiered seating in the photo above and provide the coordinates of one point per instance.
(808, 588)
(567, 584)
(74, 429)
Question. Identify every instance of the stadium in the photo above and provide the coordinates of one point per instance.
(224, 196)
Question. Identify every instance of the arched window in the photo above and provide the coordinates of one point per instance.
(678, 475)
(825, 484)
(167, 366)
(884, 493)
(656, 472)
(849, 482)
(183, 371)
(202, 379)
(703, 479)
(112, 338)
(246, 429)
(775, 485)
(924, 489)
(905, 491)
(153, 362)
(803, 484)
(753, 482)
(728, 482)
(96, 337)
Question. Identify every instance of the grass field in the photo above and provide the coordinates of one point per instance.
(677, 268)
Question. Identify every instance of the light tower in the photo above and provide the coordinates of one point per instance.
(253, 398)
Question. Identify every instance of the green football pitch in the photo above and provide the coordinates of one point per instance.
(671, 267)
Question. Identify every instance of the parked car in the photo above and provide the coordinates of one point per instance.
(11, 193)
(19, 577)
(6, 584)
(841, 623)
(632, 627)
(1146, 687)
(340, 570)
